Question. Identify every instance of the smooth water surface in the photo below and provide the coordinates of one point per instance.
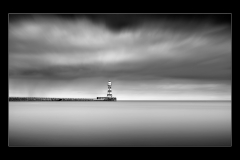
(121, 123)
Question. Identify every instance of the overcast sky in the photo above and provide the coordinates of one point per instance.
(147, 57)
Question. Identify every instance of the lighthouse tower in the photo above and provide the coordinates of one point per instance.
(109, 93)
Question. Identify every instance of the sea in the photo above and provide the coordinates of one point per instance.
(120, 124)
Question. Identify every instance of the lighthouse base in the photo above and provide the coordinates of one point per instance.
(107, 98)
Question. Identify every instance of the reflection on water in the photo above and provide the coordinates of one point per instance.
(122, 123)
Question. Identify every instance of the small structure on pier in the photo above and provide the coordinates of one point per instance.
(109, 94)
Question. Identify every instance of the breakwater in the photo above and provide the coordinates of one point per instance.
(48, 99)
(57, 99)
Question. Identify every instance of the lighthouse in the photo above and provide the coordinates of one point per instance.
(109, 92)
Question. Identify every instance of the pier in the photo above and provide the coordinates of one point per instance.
(108, 98)
(60, 99)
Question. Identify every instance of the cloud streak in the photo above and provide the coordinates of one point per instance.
(62, 50)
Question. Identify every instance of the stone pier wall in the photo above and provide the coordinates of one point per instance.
(48, 99)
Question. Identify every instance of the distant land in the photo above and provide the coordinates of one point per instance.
(61, 99)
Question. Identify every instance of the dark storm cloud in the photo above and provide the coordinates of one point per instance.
(133, 48)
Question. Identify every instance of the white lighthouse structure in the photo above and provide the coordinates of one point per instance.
(109, 92)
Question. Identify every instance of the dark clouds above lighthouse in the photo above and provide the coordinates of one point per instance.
(75, 55)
